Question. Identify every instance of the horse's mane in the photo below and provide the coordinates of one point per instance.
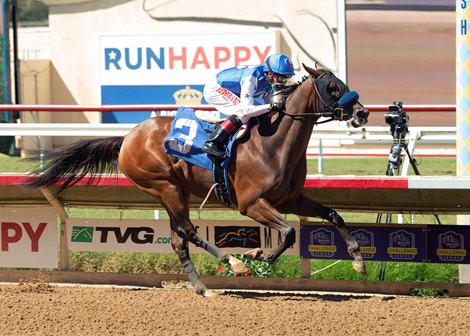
(289, 89)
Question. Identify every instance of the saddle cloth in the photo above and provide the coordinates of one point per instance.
(187, 136)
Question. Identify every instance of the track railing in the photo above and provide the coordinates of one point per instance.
(429, 194)
(163, 107)
(324, 133)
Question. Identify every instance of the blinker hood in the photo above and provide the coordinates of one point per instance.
(329, 100)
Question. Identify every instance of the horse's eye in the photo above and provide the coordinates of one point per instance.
(333, 88)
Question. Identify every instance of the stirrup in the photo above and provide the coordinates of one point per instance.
(214, 151)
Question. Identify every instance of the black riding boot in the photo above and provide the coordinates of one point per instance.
(216, 145)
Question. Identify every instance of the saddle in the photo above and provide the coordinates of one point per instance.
(189, 130)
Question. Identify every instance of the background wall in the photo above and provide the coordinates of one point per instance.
(400, 53)
(308, 32)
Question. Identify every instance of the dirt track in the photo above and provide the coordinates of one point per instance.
(49, 310)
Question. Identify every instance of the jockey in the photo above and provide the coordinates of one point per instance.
(243, 92)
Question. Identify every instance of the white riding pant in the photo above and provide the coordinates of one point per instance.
(228, 103)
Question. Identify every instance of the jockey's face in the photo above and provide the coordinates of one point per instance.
(274, 78)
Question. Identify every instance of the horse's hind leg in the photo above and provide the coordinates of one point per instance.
(306, 207)
(183, 232)
(351, 242)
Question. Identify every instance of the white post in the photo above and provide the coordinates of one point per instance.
(320, 157)
(414, 137)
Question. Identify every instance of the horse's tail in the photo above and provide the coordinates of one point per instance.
(71, 163)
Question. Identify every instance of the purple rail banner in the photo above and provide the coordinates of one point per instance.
(449, 244)
(389, 242)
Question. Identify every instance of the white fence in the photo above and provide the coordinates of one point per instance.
(373, 134)
(334, 136)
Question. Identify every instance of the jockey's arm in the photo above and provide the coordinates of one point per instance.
(248, 87)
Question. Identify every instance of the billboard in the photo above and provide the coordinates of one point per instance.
(171, 68)
(28, 237)
(379, 243)
(148, 235)
(389, 242)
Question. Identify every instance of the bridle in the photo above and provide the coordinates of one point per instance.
(328, 111)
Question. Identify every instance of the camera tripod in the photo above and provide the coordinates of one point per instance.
(400, 145)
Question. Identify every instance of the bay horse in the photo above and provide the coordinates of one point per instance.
(266, 174)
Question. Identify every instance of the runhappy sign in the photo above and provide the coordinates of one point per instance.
(171, 68)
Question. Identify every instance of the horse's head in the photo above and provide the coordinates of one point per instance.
(335, 97)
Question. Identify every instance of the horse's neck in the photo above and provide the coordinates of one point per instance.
(297, 135)
(293, 133)
(297, 130)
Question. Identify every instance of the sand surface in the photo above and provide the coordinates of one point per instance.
(47, 309)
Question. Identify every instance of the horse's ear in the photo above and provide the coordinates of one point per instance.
(312, 71)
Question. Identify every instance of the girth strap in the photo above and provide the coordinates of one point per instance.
(221, 188)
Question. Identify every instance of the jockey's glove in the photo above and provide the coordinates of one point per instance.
(278, 106)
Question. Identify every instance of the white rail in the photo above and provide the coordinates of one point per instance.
(79, 130)
(373, 134)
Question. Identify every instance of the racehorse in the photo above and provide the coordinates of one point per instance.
(266, 173)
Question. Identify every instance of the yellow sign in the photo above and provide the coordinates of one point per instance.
(321, 248)
(188, 96)
(402, 250)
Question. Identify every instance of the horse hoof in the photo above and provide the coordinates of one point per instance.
(359, 267)
(237, 265)
(254, 254)
(211, 293)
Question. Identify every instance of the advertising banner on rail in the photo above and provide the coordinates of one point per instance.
(147, 235)
(171, 68)
(386, 243)
(389, 242)
(28, 237)
(449, 244)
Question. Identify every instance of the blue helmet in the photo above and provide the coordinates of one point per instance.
(280, 64)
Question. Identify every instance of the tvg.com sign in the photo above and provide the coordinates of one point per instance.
(118, 236)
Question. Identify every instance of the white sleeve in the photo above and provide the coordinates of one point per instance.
(251, 111)
(248, 87)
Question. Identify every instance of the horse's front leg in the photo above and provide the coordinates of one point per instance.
(262, 212)
(186, 232)
(306, 207)
(236, 264)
